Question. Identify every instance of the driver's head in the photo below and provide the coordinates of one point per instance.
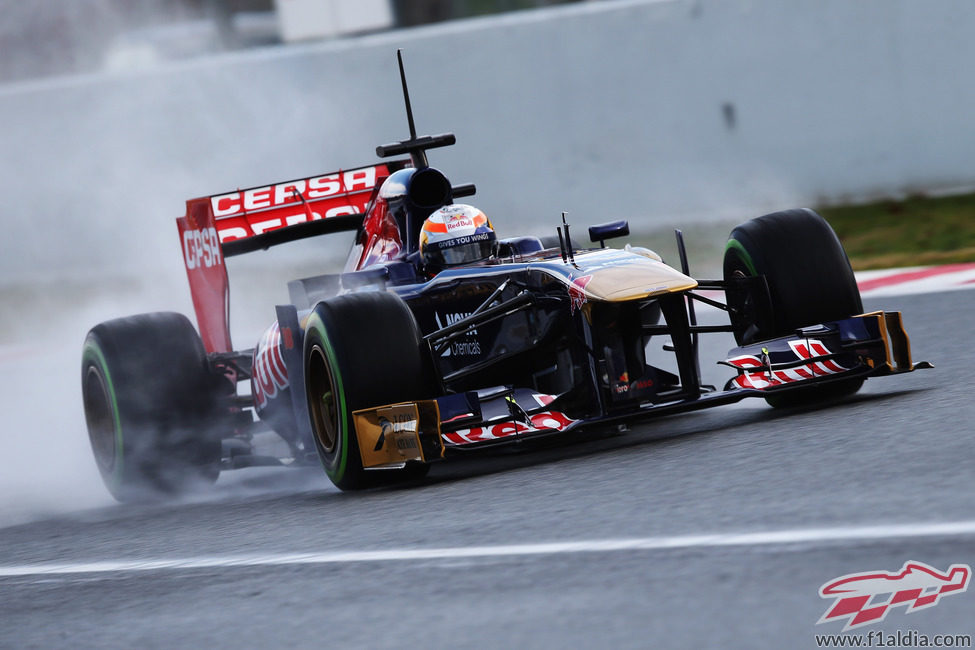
(456, 234)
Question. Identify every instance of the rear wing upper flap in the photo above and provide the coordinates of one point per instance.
(288, 209)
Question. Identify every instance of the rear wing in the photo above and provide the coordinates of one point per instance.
(242, 221)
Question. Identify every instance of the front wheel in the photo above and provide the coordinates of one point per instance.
(810, 281)
(361, 350)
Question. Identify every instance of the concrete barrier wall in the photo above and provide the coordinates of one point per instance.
(661, 112)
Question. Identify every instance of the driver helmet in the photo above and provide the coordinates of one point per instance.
(456, 234)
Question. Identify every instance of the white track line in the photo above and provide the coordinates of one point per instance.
(680, 542)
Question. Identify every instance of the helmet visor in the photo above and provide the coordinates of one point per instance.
(463, 250)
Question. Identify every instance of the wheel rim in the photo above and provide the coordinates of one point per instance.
(322, 399)
(100, 419)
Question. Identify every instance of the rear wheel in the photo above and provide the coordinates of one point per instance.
(149, 404)
(361, 350)
(809, 281)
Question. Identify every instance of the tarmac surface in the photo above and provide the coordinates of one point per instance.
(711, 529)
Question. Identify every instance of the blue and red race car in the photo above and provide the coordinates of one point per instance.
(439, 339)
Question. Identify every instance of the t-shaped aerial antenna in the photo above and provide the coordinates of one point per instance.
(415, 146)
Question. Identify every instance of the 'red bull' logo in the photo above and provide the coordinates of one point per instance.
(865, 598)
(459, 222)
(577, 292)
(270, 373)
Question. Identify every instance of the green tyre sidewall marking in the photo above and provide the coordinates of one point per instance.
(335, 473)
(93, 353)
(734, 244)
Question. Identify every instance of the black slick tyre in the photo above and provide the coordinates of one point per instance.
(361, 350)
(809, 280)
(149, 405)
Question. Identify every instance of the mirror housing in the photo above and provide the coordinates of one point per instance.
(603, 231)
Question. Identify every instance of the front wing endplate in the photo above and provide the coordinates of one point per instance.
(389, 436)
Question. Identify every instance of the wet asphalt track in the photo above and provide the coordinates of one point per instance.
(900, 453)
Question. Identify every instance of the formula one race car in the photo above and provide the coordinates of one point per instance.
(438, 339)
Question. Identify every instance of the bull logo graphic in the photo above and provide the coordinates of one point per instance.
(577, 292)
(865, 598)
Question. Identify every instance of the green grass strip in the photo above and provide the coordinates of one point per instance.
(917, 231)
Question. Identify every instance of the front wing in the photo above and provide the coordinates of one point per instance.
(867, 345)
